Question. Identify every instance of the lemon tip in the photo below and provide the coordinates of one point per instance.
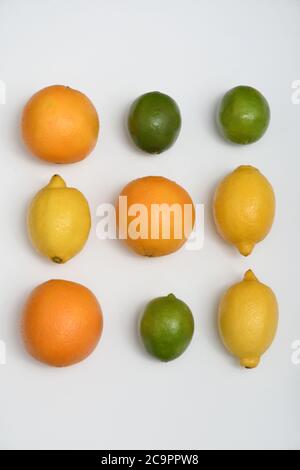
(245, 248)
(57, 182)
(250, 276)
(57, 260)
(250, 362)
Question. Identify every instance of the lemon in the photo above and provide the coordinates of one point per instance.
(244, 208)
(248, 319)
(59, 221)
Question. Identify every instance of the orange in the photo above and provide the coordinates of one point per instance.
(61, 323)
(144, 229)
(60, 125)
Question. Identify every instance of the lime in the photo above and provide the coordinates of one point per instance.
(244, 115)
(166, 327)
(154, 122)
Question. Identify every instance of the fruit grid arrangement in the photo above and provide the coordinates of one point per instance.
(62, 321)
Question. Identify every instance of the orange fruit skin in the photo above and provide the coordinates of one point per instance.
(155, 190)
(60, 125)
(62, 323)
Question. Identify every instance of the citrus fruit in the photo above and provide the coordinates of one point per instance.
(59, 221)
(248, 319)
(243, 115)
(155, 216)
(166, 327)
(154, 122)
(61, 323)
(244, 208)
(60, 125)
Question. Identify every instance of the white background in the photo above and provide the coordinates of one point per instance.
(114, 51)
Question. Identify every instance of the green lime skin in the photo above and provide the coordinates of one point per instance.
(166, 327)
(243, 115)
(154, 122)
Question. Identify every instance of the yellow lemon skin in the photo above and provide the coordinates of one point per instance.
(248, 320)
(244, 208)
(59, 221)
